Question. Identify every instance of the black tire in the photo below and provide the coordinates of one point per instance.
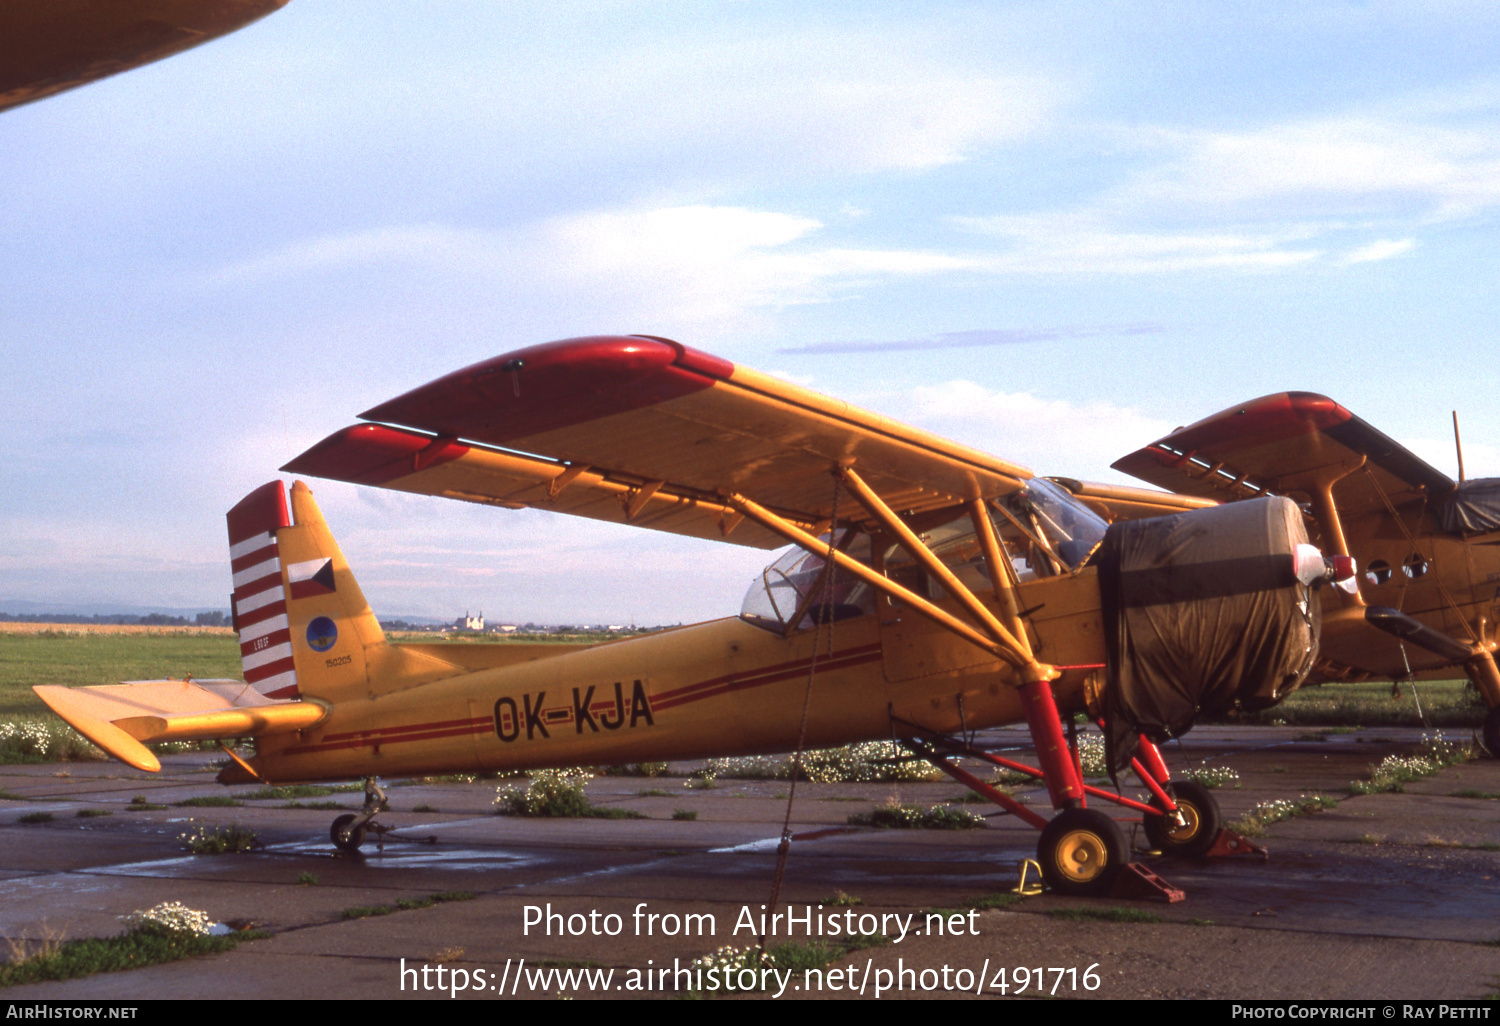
(1204, 821)
(1491, 733)
(1082, 852)
(343, 838)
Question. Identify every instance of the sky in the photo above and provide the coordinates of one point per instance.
(1053, 231)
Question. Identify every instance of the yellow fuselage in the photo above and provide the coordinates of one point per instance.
(718, 688)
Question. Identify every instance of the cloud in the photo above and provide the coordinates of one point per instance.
(1345, 187)
(977, 339)
(1386, 163)
(1053, 436)
(1382, 249)
(1084, 242)
(693, 264)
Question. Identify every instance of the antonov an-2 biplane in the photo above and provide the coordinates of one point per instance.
(931, 591)
(1428, 598)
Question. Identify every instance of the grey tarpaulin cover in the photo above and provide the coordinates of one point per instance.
(1473, 509)
(1202, 611)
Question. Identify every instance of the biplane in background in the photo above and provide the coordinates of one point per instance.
(1428, 598)
(47, 46)
(931, 591)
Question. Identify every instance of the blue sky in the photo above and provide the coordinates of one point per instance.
(1136, 214)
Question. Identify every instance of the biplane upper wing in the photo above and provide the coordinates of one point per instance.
(1282, 444)
(47, 46)
(645, 431)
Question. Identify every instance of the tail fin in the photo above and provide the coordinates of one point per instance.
(304, 626)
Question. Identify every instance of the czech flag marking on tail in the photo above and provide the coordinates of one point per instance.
(314, 577)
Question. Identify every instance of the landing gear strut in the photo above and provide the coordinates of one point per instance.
(348, 831)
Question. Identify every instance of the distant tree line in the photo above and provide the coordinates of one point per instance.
(215, 618)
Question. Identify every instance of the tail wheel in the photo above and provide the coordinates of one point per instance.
(1082, 852)
(1200, 825)
(1492, 732)
(344, 836)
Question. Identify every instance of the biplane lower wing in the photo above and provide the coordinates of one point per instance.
(646, 431)
(1285, 443)
(120, 717)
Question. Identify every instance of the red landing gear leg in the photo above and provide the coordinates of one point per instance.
(1082, 851)
(1197, 828)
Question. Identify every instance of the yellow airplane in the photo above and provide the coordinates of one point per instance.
(931, 591)
(1429, 597)
(47, 46)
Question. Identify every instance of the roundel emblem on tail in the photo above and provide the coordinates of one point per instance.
(322, 634)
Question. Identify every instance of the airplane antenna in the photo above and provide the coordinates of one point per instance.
(1459, 445)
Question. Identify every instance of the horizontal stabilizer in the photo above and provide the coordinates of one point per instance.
(119, 717)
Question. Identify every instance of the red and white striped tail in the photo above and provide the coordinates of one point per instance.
(260, 612)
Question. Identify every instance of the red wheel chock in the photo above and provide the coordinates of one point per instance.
(1230, 845)
(1136, 881)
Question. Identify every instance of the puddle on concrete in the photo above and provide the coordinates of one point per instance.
(406, 855)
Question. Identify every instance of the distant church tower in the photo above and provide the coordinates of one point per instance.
(470, 623)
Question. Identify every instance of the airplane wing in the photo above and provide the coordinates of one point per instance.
(1276, 444)
(47, 46)
(645, 431)
(119, 717)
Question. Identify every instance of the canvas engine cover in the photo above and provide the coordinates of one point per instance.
(1202, 613)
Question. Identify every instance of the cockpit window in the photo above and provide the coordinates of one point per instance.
(1045, 531)
(1067, 531)
(789, 584)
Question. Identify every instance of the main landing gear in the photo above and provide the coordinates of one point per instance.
(1082, 850)
(348, 831)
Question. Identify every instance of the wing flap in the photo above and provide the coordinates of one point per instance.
(119, 717)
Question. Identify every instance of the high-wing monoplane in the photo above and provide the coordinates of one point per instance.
(1428, 598)
(930, 591)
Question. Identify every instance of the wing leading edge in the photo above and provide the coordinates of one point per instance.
(645, 431)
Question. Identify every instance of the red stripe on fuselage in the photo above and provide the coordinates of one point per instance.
(711, 688)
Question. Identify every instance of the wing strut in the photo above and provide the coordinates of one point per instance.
(1064, 782)
(809, 543)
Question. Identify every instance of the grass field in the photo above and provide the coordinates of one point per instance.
(1446, 703)
(32, 654)
(75, 656)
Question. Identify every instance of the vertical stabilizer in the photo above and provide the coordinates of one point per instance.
(305, 628)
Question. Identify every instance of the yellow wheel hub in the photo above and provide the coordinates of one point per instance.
(1082, 856)
(1191, 824)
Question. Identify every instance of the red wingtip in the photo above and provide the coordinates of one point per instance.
(556, 385)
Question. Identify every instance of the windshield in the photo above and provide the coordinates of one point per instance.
(1068, 531)
(787, 586)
